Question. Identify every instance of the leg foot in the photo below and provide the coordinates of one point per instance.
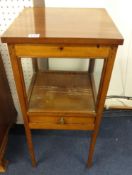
(34, 163)
(91, 149)
(30, 146)
(89, 163)
(3, 166)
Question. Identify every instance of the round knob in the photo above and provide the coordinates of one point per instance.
(62, 120)
(61, 48)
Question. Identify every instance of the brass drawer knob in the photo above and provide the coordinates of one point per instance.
(61, 48)
(62, 121)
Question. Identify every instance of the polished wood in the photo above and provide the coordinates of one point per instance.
(93, 84)
(7, 114)
(100, 105)
(39, 63)
(35, 65)
(60, 99)
(58, 118)
(79, 126)
(41, 121)
(63, 25)
(53, 99)
(3, 166)
(22, 98)
(60, 51)
(91, 65)
(31, 86)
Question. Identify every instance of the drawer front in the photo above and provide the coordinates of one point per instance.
(59, 51)
(55, 122)
(61, 119)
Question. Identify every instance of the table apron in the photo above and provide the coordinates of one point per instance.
(58, 51)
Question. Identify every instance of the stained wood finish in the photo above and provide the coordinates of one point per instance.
(61, 122)
(106, 74)
(57, 97)
(3, 166)
(35, 65)
(37, 62)
(22, 98)
(79, 126)
(7, 114)
(91, 65)
(61, 119)
(63, 25)
(61, 51)
(63, 100)
(62, 93)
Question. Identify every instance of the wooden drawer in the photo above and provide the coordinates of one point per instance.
(61, 119)
(61, 51)
(60, 122)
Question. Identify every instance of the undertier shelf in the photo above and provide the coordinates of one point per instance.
(61, 92)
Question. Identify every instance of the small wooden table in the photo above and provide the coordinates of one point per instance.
(61, 99)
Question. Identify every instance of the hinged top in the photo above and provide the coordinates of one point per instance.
(63, 25)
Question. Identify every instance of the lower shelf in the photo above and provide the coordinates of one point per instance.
(61, 100)
(66, 92)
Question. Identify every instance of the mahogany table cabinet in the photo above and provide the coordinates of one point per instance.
(7, 114)
(62, 100)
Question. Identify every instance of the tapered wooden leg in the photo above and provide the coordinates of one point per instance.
(91, 65)
(91, 149)
(30, 146)
(3, 166)
(35, 64)
(108, 65)
(20, 85)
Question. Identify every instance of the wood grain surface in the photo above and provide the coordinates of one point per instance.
(62, 92)
(63, 25)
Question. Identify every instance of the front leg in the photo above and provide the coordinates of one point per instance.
(3, 165)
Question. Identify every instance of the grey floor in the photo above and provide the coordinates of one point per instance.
(65, 152)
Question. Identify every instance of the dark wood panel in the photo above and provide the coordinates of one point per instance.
(63, 25)
(7, 112)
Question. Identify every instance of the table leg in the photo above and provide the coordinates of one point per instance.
(3, 166)
(35, 64)
(30, 145)
(106, 74)
(91, 65)
(21, 90)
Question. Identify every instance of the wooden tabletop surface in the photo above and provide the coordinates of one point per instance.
(63, 25)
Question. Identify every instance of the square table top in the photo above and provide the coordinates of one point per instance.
(63, 25)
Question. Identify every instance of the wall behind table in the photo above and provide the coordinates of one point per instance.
(121, 13)
(8, 12)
